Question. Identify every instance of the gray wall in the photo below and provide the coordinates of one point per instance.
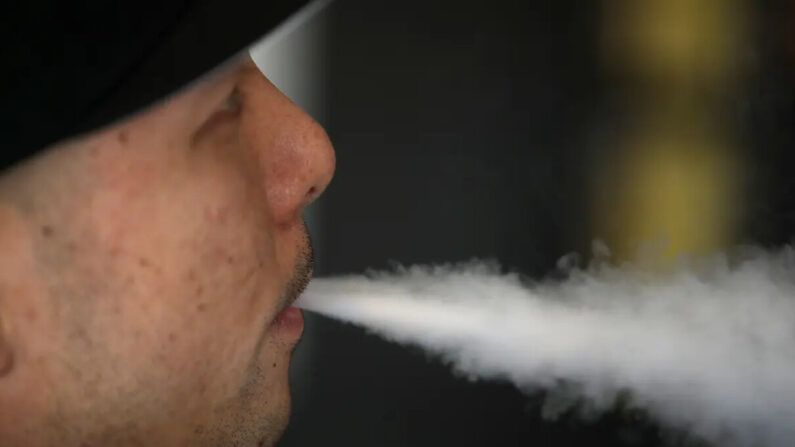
(467, 130)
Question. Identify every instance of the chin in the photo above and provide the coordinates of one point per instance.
(259, 421)
(271, 438)
(273, 427)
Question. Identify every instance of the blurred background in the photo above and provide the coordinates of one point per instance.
(521, 131)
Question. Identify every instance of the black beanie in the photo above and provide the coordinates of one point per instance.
(73, 66)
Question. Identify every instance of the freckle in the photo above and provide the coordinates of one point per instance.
(46, 231)
(31, 315)
(71, 246)
(172, 337)
(192, 275)
(230, 260)
(123, 137)
(143, 262)
(199, 290)
(90, 391)
(200, 307)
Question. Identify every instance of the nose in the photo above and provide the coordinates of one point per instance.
(294, 156)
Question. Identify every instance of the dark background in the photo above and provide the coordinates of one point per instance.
(468, 130)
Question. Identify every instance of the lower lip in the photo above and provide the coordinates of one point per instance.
(289, 322)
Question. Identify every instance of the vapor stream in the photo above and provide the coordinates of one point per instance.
(709, 348)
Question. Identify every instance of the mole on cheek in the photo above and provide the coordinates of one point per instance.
(123, 137)
(147, 264)
(47, 231)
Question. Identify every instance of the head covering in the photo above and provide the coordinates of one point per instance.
(72, 66)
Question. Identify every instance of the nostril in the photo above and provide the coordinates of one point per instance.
(311, 193)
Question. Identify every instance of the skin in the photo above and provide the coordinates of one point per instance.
(144, 265)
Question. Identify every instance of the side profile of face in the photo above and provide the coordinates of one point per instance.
(147, 269)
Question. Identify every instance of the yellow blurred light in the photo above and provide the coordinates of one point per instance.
(674, 183)
(675, 192)
(682, 41)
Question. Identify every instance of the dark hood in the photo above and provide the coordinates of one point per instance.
(73, 66)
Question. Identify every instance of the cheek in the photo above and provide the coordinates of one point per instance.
(194, 262)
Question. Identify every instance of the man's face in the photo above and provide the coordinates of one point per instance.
(156, 259)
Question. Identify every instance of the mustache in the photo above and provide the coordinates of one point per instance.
(304, 267)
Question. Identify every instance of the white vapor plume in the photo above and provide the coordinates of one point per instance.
(709, 348)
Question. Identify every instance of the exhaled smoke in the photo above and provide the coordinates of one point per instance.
(709, 348)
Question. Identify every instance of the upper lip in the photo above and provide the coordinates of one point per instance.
(297, 292)
(304, 269)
